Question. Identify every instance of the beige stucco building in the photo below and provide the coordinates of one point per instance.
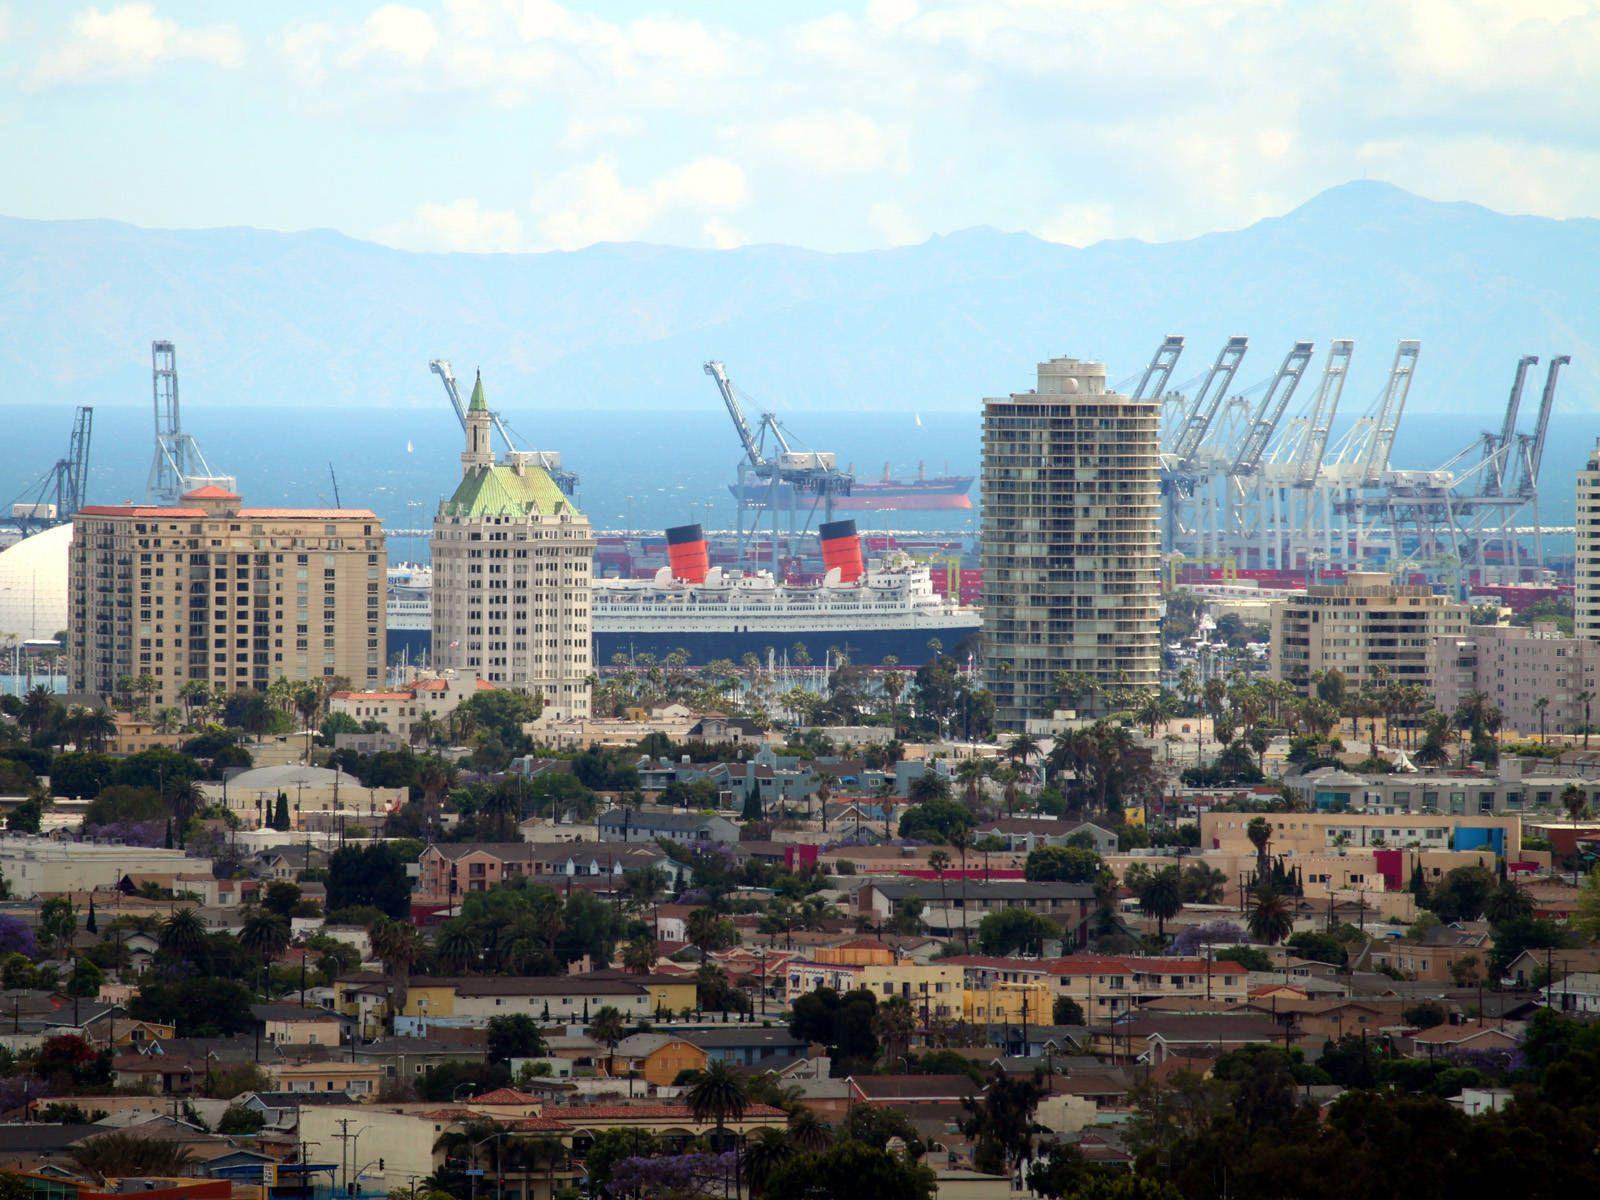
(399, 708)
(1368, 627)
(228, 596)
(512, 560)
(1071, 541)
(1516, 666)
(1586, 593)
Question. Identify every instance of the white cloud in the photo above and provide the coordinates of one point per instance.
(1080, 225)
(304, 48)
(831, 143)
(591, 203)
(897, 226)
(129, 40)
(459, 225)
(399, 31)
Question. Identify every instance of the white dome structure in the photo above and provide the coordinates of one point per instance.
(33, 585)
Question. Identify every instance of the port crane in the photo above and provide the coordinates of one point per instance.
(565, 479)
(780, 480)
(55, 496)
(178, 465)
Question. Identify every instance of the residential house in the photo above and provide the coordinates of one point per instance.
(358, 1079)
(950, 906)
(1577, 994)
(447, 871)
(658, 1058)
(1154, 1039)
(1108, 986)
(1026, 834)
(292, 1025)
(746, 1045)
(648, 823)
(1450, 1041)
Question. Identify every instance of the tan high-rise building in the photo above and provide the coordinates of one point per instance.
(231, 597)
(512, 559)
(1586, 593)
(1368, 627)
(1071, 542)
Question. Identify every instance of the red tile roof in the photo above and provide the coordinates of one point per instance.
(581, 1113)
(138, 510)
(506, 1095)
(310, 514)
(210, 492)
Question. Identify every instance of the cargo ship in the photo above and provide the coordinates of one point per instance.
(709, 613)
(922, 494)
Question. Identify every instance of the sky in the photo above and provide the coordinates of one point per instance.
(525, 125)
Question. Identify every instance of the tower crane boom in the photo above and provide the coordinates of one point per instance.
(1269, 412)
(1159, 372)
(1497, 452)
(1323, 407)
(1209, 398)
(1390, 409)
(1547, 400)
(747, 437)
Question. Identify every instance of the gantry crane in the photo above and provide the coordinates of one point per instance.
(565, 479)
(801, 483)
(59, 493)
(1323, 407)
(1159, 372)
(1209, 399)
(178, 465)
(1269, 411)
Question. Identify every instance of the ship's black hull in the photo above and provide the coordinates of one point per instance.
(863, 647)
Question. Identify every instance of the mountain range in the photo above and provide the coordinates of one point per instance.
(318, 318)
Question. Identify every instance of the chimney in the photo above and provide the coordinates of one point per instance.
(841, 548)
(687, 553)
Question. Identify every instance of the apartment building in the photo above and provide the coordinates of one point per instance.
(512, 558)
(1106, 986)
(1071, 541)
(1516, 666)
(1586, 593)
(208, 591)
(399, 709)
(1305, 833)
(449, 870)
(1518, 786)
(934, 990)
(1368, 627)
(951, 906)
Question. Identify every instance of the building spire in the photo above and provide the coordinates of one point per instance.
(478, 403)
(479, 452)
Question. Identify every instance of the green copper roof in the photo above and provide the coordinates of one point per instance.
(499, 491)
(478, 404)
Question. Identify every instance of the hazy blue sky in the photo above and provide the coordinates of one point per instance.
(523, 124)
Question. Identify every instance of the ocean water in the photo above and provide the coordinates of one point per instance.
(639, 470)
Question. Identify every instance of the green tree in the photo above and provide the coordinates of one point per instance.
(516, 1035)
(608, 1029)
(1066, 1011)
(1015, 931)
(1271, 916)
(1160, 896)
(1063, 864)
(848, 1171)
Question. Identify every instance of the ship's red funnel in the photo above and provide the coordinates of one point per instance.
(842, 548)
(688, 554)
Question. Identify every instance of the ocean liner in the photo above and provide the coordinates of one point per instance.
(709, 613)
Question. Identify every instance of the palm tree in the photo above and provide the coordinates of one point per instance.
(459, 946)
(766, 1151)
(95, 726)
(1271, 919)
(1585, 698)
(1539, 706)
(1259, 831)
(265, 934)
(608, 1029)
(1575, 802)
(38, 709)
(116, 1155)
(718, 1095)
(960, 838)
(707, 932)
(1161, 897)
(397, 946)
(183, 935)
(809, 1131)
(1021, 748)
(639, 955)
(894, 1023)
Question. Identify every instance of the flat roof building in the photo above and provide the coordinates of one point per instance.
(211, 592)
(1367, 627)
(1071, 543)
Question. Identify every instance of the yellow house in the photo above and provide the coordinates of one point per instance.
(1008, 1004)
(932, 988)
(356, 1079)
(658, 1058)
